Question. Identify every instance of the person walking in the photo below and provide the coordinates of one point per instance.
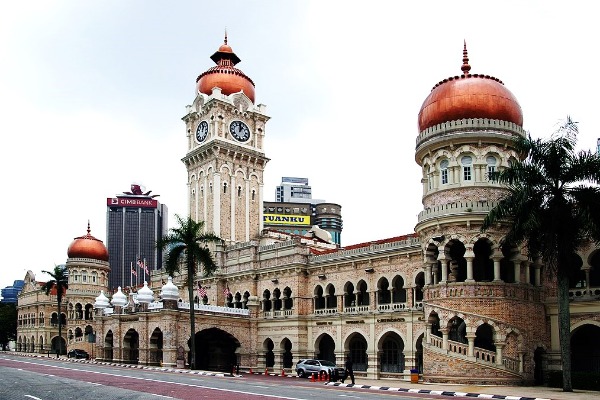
(349, 371)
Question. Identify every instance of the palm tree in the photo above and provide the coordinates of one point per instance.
(60, 281)
(189, 240)
(553, 205)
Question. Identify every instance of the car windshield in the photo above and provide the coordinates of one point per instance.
(326, 363)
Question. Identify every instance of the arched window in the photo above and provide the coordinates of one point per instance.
(491, 167)
(224, 187)
(288, 302)
(266, 300)
(319, 299)
(467, 162)
(444, 172)
(239, 191)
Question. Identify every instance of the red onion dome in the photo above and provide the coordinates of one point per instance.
(224, 75)
(469, 96)
(88, 247)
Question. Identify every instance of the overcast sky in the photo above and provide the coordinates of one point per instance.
(92, 95)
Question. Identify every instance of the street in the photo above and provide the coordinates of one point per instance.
(51, 378)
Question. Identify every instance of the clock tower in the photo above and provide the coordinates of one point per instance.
(225, 160)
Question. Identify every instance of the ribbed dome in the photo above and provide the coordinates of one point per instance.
(101, 301)
(87, 247)
(169, 291)
(119, 299)
(224, 75)
(469, 96)
(145, 295)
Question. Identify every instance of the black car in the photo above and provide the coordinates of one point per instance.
(78, 353)
(306, 368)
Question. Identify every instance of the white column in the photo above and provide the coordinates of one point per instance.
(232, 194)
(496, 268)
(517, 267)
(248, 200)
(217, 204)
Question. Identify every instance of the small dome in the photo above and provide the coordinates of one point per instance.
(87, 247)
(469, 96)
(101, 301)
(119, 299)
(169, 291)
(224, 75)
(225, 48)
(145, 295)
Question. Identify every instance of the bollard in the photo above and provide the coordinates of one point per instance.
(250, 370)
(266, 371)
(282, 372)
(312, 377)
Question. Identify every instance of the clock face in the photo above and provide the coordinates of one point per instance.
(202, 131)
(239, 131)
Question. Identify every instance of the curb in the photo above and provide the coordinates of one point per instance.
(436, 392)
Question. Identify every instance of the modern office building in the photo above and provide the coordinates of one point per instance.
(10, 293)
(134, 221)
(294, 190)
(299, 218)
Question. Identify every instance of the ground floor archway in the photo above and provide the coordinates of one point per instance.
(585, 353)
(59, 343)
(216, 350)
(131, 347)
(326, 348)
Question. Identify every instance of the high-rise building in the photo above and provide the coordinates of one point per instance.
(10, 293)
(294, 190)
(295, 211)
(134, 222)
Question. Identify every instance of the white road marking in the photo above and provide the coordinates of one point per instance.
(33, 397)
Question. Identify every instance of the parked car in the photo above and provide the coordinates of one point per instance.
(78, 353)
(306, 368)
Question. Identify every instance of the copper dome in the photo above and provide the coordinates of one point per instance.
(88, 247)
(224, 75)
(469, 96)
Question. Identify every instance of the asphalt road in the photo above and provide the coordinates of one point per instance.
(23, 378)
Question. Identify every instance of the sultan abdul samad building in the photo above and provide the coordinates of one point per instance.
(444, 299)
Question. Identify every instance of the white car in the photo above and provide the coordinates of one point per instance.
(306, 368)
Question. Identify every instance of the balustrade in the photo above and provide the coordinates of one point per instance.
(511, 363)
(326, 311)
(356, 309)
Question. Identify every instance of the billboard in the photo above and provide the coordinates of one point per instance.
(143, 202)
(286, 219)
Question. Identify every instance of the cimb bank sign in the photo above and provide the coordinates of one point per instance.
(131, 202)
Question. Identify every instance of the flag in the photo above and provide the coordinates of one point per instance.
(226, 291)
(201, 291)
(133, 271)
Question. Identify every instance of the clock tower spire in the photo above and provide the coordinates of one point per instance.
(225, 160)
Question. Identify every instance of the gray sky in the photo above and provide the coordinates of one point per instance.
(92, 95)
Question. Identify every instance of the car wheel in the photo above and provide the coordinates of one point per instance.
(301, 373)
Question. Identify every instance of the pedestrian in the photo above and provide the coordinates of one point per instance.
(349, 371)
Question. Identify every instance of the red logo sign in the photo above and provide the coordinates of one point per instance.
(131, 202)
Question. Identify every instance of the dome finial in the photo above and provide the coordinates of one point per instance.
(88, 230)
(465, 67)
(225, 36)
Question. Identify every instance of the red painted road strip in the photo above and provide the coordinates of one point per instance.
(152, 386)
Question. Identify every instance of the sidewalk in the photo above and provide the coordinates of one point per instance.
(473, 391)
